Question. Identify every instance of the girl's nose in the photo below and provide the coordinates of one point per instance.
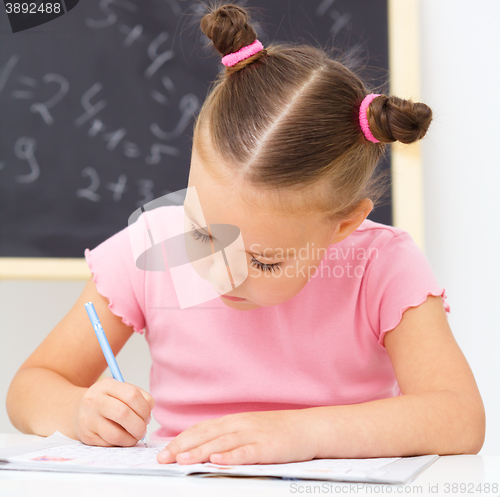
(220, 275)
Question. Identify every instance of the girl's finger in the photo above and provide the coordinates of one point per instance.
(114, 434)
(192, 437)
(148, 397)
(92, 438)
(207, 430)
(245, 454)
(202, 452)
(128, 394)
(121, 414)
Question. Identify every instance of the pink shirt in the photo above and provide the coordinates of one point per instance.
(325, 346)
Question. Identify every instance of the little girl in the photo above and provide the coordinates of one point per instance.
(343, 349)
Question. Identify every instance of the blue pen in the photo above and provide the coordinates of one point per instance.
(106, 349)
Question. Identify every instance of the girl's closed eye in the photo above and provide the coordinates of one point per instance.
(260, 265)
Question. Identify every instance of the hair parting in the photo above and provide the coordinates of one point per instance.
(286, 120)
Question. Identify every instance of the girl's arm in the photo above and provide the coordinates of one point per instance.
(51, 391)
(440, 410)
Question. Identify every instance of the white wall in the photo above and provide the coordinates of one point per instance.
(460, 77)
(460, 57)
(28, 312)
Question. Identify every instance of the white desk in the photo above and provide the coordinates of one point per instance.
(468, 470)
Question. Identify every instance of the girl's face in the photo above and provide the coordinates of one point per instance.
(282, 252)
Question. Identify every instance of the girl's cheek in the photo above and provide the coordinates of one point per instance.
(285, 284)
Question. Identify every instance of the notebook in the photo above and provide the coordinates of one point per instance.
(62, 454)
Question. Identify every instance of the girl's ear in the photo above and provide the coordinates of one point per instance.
(346, 227)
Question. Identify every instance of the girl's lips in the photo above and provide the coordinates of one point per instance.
(235, 299)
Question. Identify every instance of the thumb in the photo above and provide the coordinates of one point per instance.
(148, 397)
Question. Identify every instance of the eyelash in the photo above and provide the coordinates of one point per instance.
(254, 262)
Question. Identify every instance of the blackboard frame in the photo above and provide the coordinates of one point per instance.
(406, 162)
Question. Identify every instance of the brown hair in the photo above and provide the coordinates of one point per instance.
(286, 120)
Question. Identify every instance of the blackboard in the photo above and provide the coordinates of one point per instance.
(97, 108)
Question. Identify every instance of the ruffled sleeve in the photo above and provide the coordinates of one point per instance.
(118, 279)
(399, 277)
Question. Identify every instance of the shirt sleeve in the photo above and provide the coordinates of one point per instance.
(399, 277)
(118, 279)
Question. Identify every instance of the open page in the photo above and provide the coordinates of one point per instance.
(60, 453)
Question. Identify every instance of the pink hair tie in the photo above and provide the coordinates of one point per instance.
(242, 54)
(363, 118)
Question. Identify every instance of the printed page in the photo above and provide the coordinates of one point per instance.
(78, 457)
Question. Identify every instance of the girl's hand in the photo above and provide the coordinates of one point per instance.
(112, 413)
(264, 437)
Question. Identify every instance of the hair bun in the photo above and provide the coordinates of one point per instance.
(228, 27)
(395, 119)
